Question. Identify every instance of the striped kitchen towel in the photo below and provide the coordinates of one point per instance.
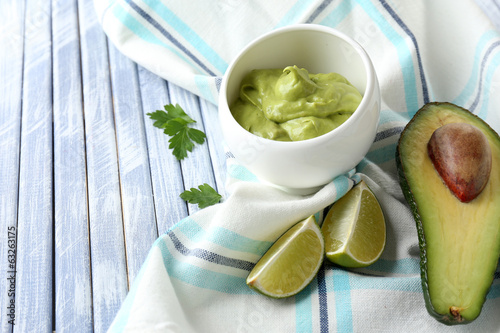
(194, 277)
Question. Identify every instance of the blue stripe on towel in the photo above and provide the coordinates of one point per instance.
(471, 85)
(222, 237)
(356, 178)
(218, 82)
(239, 172)
(362, 165)
(322, 6)
(236, 242)
(387, 116)
(383, 154)
(200, 277)
(303, 310)
(361, 281)
(188, 34)
(338, 14)
(323, 301)
(343, 306)
(408, 266)
(405, 28)
(483, 66)
(403, 284)
(168, 36)
(341, 185)
(404, 53)
(209, 256)
(203, 84)
(142, 32)
(387, 133)
(488, 80)
(294, 14)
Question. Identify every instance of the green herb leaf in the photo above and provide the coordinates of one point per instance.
(174, 126)
(177, 112)
(161, 118)
(204, 196)
(175, 123)
(173, 112)
(196, 135)
(181, 144)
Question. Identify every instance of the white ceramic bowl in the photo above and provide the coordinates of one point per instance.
(303, 166)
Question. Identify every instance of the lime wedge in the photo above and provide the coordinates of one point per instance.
(291, 262)
(354, 229)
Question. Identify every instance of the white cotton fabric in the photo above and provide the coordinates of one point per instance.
(194, 277)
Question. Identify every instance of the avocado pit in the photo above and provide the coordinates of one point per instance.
(459, 243)
(461, 154)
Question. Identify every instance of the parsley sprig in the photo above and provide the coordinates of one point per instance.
(204, 196)
(176, 123)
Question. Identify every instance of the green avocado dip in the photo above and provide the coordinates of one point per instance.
(292, 105)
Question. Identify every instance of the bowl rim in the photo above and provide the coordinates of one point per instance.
(370, 89)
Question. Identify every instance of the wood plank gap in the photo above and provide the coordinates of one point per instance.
(215, 140)
(86, 164)
(11, 59)
(138, 214)
(53, 177)
(118, 163)
(106, 229)
(73, 287)
(197, 164)
(136, 74)
(165, 169)
(35, 213)
(184, 185)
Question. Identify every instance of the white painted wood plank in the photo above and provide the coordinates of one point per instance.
(196, 167)
(215, 140)
(166, 175)
(34, 294)
(109, 273)
(135, 181)
(73, 290)
(11, 72)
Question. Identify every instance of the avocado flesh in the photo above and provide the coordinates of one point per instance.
(459, 242)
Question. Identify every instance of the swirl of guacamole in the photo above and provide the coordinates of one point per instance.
(292, 105)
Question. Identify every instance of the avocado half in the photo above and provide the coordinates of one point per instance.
(459, 242)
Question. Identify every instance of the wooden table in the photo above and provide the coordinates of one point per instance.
(87, 183)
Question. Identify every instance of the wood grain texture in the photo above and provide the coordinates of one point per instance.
(166, 174)
(86, 180)
(11, 72)
(34, 297)
(196, 168)
(215, 143)
(109, 273)
(135, 180)
(73, 285)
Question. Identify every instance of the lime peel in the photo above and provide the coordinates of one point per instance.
(291, 263)
(354, 229)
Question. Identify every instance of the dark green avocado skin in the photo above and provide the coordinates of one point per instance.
(446, 319)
